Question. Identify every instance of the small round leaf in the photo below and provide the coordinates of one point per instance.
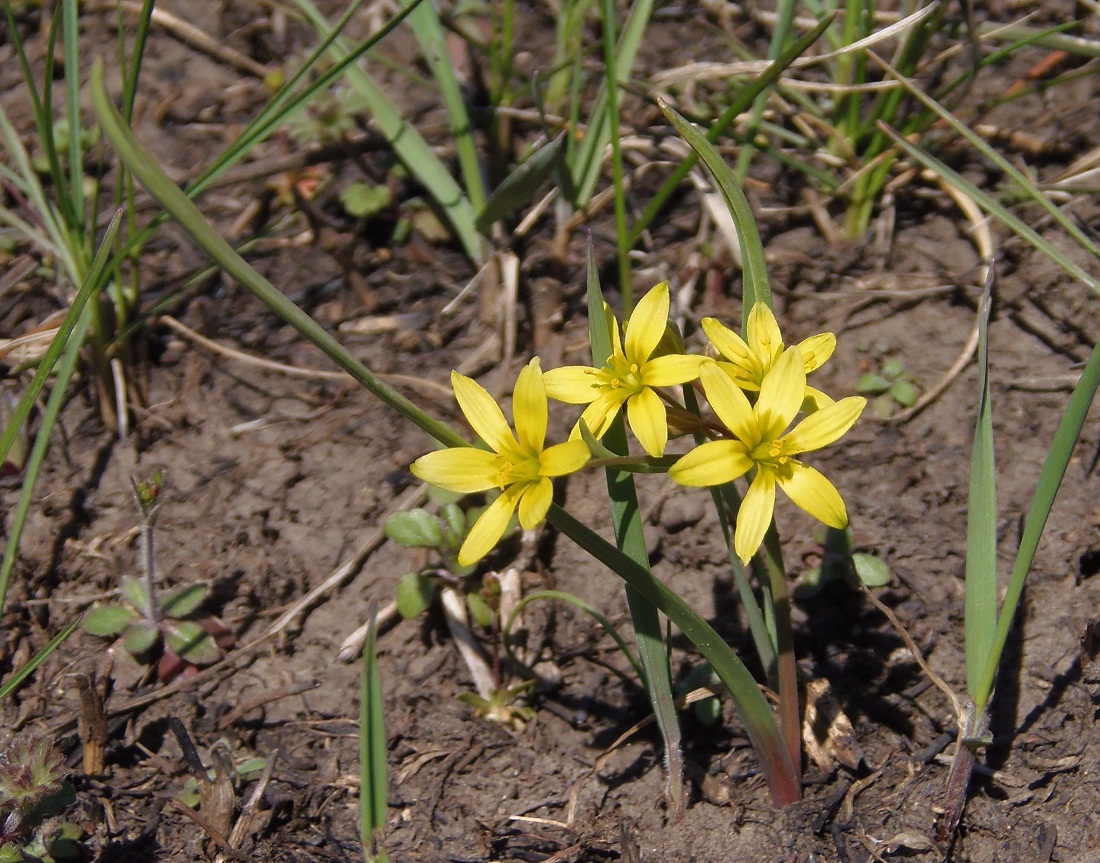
(416, 528)
(871, 570)
(414, 594)
(107, 620)
(140, 637)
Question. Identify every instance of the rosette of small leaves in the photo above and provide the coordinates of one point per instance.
(33, 793)
(890, 388)
(142, 635)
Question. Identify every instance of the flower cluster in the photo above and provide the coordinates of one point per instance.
(755, 387)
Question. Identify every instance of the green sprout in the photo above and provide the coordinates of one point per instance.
(151, 622)
(33, 794)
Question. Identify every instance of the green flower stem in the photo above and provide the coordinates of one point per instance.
(180, 207)
(747, 698)
(784, 645)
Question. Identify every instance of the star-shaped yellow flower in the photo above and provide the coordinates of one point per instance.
(518, 465)
(748, 362)
(763, 442)
(629, 376)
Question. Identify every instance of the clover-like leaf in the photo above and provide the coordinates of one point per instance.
(872, 571)
(107, 620)
(416, 528)
(414, 594)
(133, 589)
(191, 642)
(140, 637)
(479, 610)
(185, 599)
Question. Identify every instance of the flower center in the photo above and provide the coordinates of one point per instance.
(773, 453)
(511, 472)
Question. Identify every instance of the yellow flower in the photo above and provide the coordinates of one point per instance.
(763, 442)
(629, 377)
(747, 363)
(518, 465)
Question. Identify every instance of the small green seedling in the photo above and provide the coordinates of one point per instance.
(33, 794)
(839, 562)
(890, 388)
(502, 706)
(154, 623)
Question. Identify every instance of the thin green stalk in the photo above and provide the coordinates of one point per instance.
(622, 243)
(745, 694)
(789, 715)
(630, 537)
(373, 786)
(587, 608)
(180, 207)
(70, 26)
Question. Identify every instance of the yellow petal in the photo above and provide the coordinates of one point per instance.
(816, 350)
(731, 405)
(534, 503)
(744, 379)
(825, 426)
(763, 335)
(713, 463)
(755, 515)
(563, 458)
(483, 414)
(646, 413)
(647, 324)
(462, 469)
(598, 415)
(781, 394)
(575, 385)
(672, 369)
(815, 494)
(490, 526)
(734, 349)
(529, 408)
(815, 400)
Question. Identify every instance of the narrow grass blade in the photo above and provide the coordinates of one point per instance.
(630, 537)
(756, 288)
(180, 207)
(424, 22)
(981, 521)
(994, 207)
(16, 680)
(622, 241)
(518, 187)
(71, 36)
(588, 163)
(408, 144)
(372, 750)
(587, 608)
(1046, 489)
(745, 694)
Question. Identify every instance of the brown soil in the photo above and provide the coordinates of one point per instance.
(274, 481)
